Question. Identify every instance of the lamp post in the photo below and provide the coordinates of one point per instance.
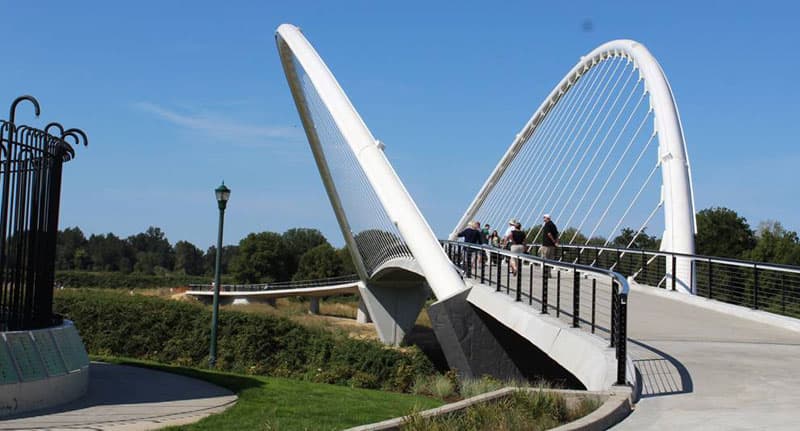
(223, 193)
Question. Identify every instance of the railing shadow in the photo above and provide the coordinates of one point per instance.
(659, 374)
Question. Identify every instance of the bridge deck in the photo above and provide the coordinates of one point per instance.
(698, 369)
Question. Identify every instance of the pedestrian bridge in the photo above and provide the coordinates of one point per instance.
(704, 342)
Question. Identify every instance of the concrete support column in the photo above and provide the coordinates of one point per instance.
(394, 306)
(362, 316)
(314, 305)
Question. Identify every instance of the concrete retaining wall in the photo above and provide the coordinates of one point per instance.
(41, 368)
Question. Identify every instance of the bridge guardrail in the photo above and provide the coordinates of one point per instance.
(759, 285)
(332, 281)
(472, 259)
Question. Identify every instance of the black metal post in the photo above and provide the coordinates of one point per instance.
(558, 293)
(644, 267)
(710, 279)
(530, 284)
(483, 266)
(544, 287)
(594, 301)
(519, 279)
(755, 286)
(783, 295)
(674, 263)
(499, 272)
(622, 339)
(576, 299)
(614, 299)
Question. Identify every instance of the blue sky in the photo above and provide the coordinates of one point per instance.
(176, 96)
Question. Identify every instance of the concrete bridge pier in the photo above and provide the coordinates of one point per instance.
(476, 344)
(393, 303)
(362, 315)
(313, 307)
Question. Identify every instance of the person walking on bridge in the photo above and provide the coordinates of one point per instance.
(549, 239)
(517, 240)
(472, 235)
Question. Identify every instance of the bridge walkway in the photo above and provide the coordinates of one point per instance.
(696, 368)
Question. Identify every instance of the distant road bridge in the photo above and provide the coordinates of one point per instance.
(603, 153)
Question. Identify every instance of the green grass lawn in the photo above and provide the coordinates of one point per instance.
(271, 403)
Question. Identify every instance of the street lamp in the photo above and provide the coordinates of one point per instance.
(223, 193)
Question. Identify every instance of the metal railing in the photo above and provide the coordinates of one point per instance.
(30, 173)
(321, 282)
(565, 289)
(762, 286)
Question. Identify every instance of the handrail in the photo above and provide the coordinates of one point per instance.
(470, 257)
(705, 258)
(319, 282)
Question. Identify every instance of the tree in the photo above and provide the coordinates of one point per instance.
(152, 246)
(229, 252)
(642, 241)
(321, 261)
(68, 241)
(722, 232)
(261, 258)
(188, 258)
(297, 241)
(775, 244)
(348, 267)
(109, 253)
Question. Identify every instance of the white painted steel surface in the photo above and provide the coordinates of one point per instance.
(403, 212)
(677, 195)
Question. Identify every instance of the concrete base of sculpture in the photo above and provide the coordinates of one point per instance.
(476, 344)
(393, 304)
(41, 368)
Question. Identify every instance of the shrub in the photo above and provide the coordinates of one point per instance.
(174, 332)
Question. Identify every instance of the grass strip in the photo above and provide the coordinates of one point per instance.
(272, 403)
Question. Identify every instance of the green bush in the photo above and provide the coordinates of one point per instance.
(117, 280)
(174, 332)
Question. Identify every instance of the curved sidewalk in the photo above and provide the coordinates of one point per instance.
(704, 369)
(129, 398)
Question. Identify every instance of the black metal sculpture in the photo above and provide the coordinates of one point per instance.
(30, 172)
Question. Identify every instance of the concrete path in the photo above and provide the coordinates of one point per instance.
(698, 369)
(706, 370)
(129, 398)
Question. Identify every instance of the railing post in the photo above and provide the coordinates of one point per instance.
(614, 299)
(483, 266)
(544, 287)
(499, 272)
(710, 279)
(530, 283)
(644, 267)
(519, 279)
(508, 276)
(674, 263)
(558, 293)
(783, 294)
(576, 298)
(622, 340)
(755, 286)
(594, 301)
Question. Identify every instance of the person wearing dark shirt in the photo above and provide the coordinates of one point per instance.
(472, 235)
(549, 239)
(517, 240)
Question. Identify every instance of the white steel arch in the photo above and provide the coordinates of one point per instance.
(676, 189)
(395, 200)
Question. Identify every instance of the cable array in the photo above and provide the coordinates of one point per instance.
(589, 161)
(376, 237)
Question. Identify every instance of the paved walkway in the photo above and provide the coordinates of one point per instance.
(129, 398)
(698, 369)
(708, 370)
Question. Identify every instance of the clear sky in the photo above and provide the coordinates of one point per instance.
(178, 95)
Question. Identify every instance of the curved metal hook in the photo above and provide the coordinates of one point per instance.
(73, 131)
(54, 124)
(17, 101)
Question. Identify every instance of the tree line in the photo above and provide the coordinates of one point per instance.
(303, 253)
(297, 254)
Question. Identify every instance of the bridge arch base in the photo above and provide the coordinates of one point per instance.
(393, 301)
